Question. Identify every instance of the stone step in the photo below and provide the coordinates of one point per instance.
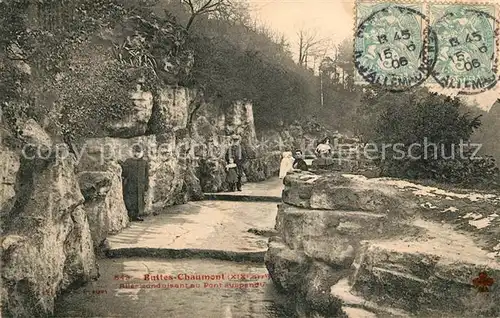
(429, 274)
(188, 253)
(357, 307)
(240, 197)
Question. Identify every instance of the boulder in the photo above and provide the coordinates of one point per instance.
(171, 110)
(192, 185)
(298, 188)
(351, 195)
(166, 162)
(317, 296)
(47, 245)
(427, 274)
(240, 121)
(285, 266)
(336, 250)
(336, 191)
(399, 246)
(212, 175)
(262, 167)
(95, 184)
(298, 225)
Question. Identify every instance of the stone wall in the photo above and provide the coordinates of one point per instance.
(184, 148)
(348, 243)
(46, 240)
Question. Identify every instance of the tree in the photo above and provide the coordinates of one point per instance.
(238, 12)
(345, 60)
(200, 7)
(309, 45)
(427, 135)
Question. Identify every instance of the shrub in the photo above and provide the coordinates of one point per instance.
(424, 118)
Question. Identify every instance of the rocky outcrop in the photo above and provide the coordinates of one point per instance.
(384, 246)
(35, 137)
(46, 244)
(135, 123)
(185, 149)
(263, 167)
(166, 171)
(171, 109)
(104, 205)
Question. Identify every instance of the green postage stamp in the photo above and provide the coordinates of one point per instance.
(401, 45)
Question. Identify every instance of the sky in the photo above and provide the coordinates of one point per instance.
(331, 19)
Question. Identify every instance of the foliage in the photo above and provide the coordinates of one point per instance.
(95, 92)
(432, 133)
(234, 60)
(237, 62)
(77, 61)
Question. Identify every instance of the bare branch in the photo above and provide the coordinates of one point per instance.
(310, 45)
(207, 5)
(190, 5)
(199, 7)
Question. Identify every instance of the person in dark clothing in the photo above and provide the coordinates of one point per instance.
(299, 162)
(232, 175)
(134, 173)
(237, 153)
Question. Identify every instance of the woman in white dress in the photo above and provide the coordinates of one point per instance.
(286, 164)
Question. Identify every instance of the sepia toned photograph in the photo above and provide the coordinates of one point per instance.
(250, 158)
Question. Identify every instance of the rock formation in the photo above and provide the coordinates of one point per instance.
(46, 242)
(385, 246)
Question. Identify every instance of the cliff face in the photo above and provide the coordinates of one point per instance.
(388, 247)
(46, 240)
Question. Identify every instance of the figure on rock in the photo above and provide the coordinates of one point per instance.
(324, 149)
(299, 162)
(237, 153)
(286, 164)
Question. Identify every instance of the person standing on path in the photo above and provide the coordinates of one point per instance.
(237, 153)
(286, 164)
(134, 177)
(232, 175)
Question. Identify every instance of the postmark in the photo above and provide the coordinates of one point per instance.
(467, 38)
(392, 44)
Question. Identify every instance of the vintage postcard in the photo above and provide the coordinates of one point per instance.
(250, 158)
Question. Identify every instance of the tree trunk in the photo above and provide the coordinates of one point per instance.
(191, 19)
